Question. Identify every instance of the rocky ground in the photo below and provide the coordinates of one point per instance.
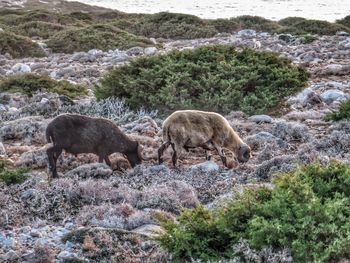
(95, 214)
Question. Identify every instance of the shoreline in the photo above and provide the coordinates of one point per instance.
(226, 9)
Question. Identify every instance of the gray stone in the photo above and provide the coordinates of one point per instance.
(66, 254)
(149, 230)
(264, 134)
(36, 66)
(33, 159)
(2, 149)
(246, 33)
(208, 166)
(21, 68)
(342, 33)
(332, 95)
(135, 51)
(11, 256)
(97, 170)
(5, 241)
(29, 193)
(288, 38)
(150, 51)
(261, 118)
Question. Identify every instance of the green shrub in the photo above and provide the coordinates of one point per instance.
(344, 21)
(12, 176)
(319, 27)
(225, 25)
(343, 112)
(216, 78)
(18, 18)
(18, 46)
(291, 21)
(102, 37)
(37, 29)
(257, 23)
(31, 83)
(173, 25)
(308, 212)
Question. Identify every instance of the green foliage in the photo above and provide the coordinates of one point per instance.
(318, 27)
(343, 112)
(31, 83)
(344, 21)
(257, 23)
(37, 29)
(12, 176)
(291, 21)
(102, 37)
(308, 212)
(225, 25)
(173, 25)
(217, 78)
(20, 17)
(19, 46)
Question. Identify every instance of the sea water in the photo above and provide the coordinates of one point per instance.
(272, 9)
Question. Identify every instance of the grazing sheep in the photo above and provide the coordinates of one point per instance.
(82, 134)
(208, 130)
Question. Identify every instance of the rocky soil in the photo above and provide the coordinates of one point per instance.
(95, 214)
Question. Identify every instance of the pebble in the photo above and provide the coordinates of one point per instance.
(261, 118)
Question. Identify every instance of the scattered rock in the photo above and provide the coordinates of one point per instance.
(261, 118)
(246, 33)
(21, 68)
(149, 230)
(95, 170)
(208, 166)
(331, 95)
(135, 51)
(150, 51)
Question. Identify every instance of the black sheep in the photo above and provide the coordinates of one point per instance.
(82, 134)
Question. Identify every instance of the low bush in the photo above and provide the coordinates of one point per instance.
(224, 25)
(37, 29)
(257, 23)
(217, 78)
(173, 25)
(12, 176)
(16, 18)
(344, 21)
(102, 37)
(318, 27)
(19, 46)
(31, 83)
(291, 21)
(343, 113)
(307, 212)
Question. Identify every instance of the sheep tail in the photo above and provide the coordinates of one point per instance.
(48, 135)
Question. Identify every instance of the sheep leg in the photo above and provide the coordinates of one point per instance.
(108, 162)
(207, 156)
(174, 157)
(161, 151)
(221, 154)
(53, 154)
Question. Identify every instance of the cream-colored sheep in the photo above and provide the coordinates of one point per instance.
(208, 130)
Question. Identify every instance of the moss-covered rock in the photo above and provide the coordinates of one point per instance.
(19, 46)
(31, 83)
(102, 37)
